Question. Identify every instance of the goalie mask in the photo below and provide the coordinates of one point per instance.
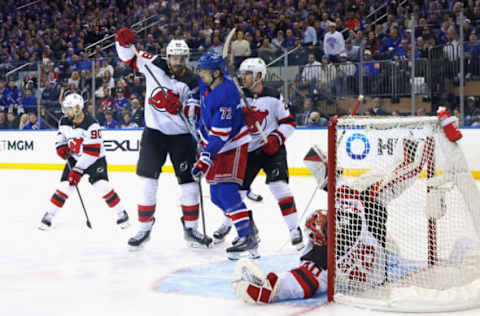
(316, 227)
(255, 66)
(72, 103)
(178, 53)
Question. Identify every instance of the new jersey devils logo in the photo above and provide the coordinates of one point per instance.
(75, 145)
(261, 117)
(158, 99)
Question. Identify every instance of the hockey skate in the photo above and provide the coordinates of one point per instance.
(254, 197)
(254, 229)
(247, 244)
(194, 238)
(296, 238)
(141, 237)
(122, 220)
(46, 222)
(220, 234)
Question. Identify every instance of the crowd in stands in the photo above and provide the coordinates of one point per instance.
(330, 38)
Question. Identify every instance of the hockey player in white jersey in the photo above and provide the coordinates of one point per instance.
(165, 132)
(361, 256)
(79, 140)
(268, 108)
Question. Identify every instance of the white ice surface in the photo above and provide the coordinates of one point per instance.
(72, 270)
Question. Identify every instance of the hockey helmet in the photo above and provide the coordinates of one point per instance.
(72, 101)
(316, 227)
(178, 48)
(255, 65)
(212, 61)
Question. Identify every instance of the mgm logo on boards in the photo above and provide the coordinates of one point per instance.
(16, 145)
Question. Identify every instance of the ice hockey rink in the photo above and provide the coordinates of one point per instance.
(72, 270)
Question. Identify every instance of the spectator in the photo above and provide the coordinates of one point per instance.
(377, 108)
(109, 121)
(309, 34)
(359, 39)
(106, 102)
(23, 121)
(370, 71)
(345, 76)
(301, 118)
(121, 103)
(29, 103)
(11, 95)
(267, 51)
(102, 67)
(240, 48)
(34, 123)
(333, 43)
(75, 79)
(85, 63)
(389, 24)
(472, 55)
(138, 88)
(127, 121)
(317, 119)
(217, 45)
(3, 120)
(290, 40)
(352, 52)
(351, 22)
(49, 96)
(277, 41)
(311, 71)
(390, 42)
(138, 115)
(12, 121)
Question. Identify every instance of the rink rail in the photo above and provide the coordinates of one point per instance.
(35, 150)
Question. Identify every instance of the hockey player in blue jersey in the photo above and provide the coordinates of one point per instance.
(224, 138)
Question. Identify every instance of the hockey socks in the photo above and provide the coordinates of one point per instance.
(190, 215)
(289, 211)
(145, 213)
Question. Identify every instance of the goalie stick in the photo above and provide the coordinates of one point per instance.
(190, 129)
(231, 70)
(322, 183)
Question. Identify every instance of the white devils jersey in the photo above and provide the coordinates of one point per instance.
(85, 140)
(275, 115)
(156, 116)
(361, 257)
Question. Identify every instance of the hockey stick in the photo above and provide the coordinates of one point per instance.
(192, 132)
(321, 184)
(89, 225)
(231, 70)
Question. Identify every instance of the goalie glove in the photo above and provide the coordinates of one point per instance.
(449, 124)
(252, 286)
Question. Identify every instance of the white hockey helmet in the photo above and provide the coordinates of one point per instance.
(72, 101)
(178, 48)
(255, 65)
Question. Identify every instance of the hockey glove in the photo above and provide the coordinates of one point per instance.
(125, 37)
(63, 151)
(274, 141)
(449, 124)
(200, 168)
(74, 176)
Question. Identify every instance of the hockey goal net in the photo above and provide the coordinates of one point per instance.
(420, 205)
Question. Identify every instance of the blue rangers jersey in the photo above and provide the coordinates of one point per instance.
(221, 123)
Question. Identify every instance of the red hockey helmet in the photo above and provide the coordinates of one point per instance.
(316, 227)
